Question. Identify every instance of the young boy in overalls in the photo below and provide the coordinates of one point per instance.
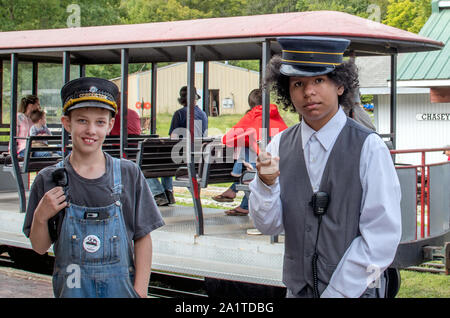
(103, 246)
(328, 182)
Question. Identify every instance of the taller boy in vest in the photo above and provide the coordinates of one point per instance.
(102, 246)
(328, 182)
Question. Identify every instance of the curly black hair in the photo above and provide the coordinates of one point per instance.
(345, 74)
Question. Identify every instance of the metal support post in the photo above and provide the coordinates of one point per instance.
(13, 132)
(153, 100)
(205, 100)
(124, 103)
(190, 140)
(66, 78)
(393, 100)
(265, 97)
(34, 87)
(82, 70)
(266, 106)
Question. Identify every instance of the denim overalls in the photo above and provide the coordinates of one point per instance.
(93, 253)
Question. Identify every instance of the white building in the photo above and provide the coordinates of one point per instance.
(423, 91)
(228, 85)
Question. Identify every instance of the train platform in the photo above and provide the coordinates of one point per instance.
(225, 251)
(17, 283)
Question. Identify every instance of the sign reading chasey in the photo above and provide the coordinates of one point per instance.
(438, 116)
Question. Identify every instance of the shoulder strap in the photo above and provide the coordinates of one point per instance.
(55, 223)
(60, 164)
(117, 176)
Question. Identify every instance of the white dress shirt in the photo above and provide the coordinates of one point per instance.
(380, 216)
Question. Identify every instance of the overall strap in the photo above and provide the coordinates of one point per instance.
(60, 164)
(117, 188)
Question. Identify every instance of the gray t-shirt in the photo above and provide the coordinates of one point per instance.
(139, 209)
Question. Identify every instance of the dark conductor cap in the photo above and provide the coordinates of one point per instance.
(311, 56)
(89, 92)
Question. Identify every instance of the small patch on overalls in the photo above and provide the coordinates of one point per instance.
(91, 243)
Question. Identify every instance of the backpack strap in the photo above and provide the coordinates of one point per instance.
(55, 222)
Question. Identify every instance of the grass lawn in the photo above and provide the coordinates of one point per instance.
(4, 138)
(423, 285)
(217, 125)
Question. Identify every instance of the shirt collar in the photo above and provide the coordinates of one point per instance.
(328, 133)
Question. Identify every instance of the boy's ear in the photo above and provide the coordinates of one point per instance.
(111, 124)
(65, 120)
(340, 90)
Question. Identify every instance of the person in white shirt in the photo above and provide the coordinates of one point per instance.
(328, 182)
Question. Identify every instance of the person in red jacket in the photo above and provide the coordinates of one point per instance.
(244, 138)
(133, 123)
(248, 131)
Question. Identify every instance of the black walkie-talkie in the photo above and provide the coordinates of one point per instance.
(61, 179)
(319, 203)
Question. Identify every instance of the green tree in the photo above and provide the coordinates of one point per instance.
(409, 15)
(98, 12)
(28, 15)
(270, 6)
(373, 9)
(217, 8)
(50, 14)
(144, 11)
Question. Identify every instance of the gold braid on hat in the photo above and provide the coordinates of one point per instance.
(89, 97)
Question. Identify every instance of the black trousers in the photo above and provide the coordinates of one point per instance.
(378, 291)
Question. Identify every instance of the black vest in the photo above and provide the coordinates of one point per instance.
(340, 225)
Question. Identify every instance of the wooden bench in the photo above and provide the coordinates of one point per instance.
(216, 166)
(30, 163)
(4, 144)
(111, 145)
(162, 157)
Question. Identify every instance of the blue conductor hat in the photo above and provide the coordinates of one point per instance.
(311, 56)
(89, 92)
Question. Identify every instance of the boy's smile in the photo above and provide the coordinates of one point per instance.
(89, 141)
(315, 98)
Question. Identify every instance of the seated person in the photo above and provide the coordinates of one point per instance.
(27, 105)
(133, 123)
(39, 128)
(245, 135)
(163, 191)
